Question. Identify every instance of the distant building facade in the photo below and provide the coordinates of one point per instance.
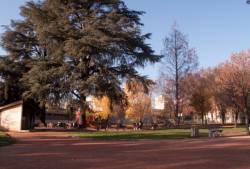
(211, 117)
(159, 102)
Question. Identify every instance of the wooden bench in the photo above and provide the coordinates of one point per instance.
(215, 131)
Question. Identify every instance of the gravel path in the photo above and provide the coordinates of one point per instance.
(53, 150)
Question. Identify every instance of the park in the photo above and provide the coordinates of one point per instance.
(119, 84)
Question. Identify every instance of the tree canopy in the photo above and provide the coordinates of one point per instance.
(77, 48)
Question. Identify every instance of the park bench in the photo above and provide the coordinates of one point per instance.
(137, 126)
(215, 131)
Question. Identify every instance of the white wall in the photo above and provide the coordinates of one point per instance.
(11, 118)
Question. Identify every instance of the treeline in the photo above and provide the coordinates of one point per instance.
(224, 88)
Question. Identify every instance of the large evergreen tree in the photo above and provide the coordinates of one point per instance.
(79, 48)
(10, 74)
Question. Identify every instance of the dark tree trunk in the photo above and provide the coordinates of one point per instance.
(247, 122)
(43, 113)
(6, 91)
(236, 119)
(177, 89)
(223, 114)
(83, 109)
(83, 120)
(202, 118)
(107, 123)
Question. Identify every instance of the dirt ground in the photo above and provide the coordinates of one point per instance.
(53, 150)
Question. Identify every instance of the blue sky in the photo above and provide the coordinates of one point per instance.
(216, 28)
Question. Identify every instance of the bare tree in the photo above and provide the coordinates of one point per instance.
(236, 82)
(178, 61)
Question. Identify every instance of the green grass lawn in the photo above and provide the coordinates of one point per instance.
(5, 139)
(153, 134)
(144, 134)
(240, 130)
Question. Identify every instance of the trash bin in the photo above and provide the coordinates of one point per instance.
(194, 131)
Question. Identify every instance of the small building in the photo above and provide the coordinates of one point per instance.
(14, 117)
(55, 114)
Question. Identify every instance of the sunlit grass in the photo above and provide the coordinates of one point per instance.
(153, 134)
(240, 130)
(144, 134)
